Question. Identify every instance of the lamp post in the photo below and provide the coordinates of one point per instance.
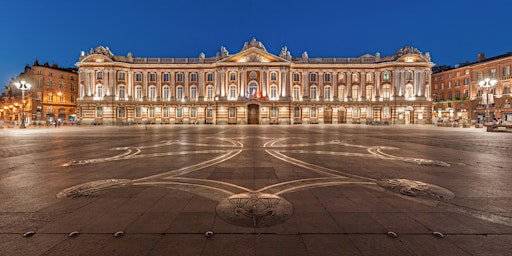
(23, 86)
(487, 84)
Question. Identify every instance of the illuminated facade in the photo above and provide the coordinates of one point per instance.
(254, 86)
(458, 96)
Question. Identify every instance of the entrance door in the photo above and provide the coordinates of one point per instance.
(254, 114)
(342, 118)
(328, 115)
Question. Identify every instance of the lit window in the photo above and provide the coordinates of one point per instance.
(179, 92)
(209, 92)
(138, 92)
(296, 92)
(386, 76)
(313, 92)
(152, 93)
(273, 91)
(165, 93)
(193, 92)
(327, 92)
(313, 112)
(232, 92)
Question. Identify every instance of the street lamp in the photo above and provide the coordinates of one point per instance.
(23, 86)
(487, 84)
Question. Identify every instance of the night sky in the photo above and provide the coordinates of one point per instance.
(56, 31)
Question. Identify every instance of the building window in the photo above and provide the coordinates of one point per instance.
(138, 77)
(449, 84)
(151, 111)
(369, 92)
(408, 75)
(386, 91)
(296, 112)
(355, 112)
(209, 92)
(232, 76)
(138, 93)
(152, 77)
(327, 77)
(449, 96)
(479, 76)
(232, 112)
(253, 89)
(179, 77)
(492, 73)
(296, 92)
(39, 83)
(73, 99)
(273, 112)
(99, 111)
(442, 86)
(209, 112)
(273, 91)
(369, 77)
(342, 92)
(50, 74)
(122, 92)
(296, 77)
(355, 77)
(466, 81)
(61, 85)
(273, 76)
(179, 92)
(449, 76)
(466, 93)
(50, 97)
(457, 83)
(313, 112)
(51, 84)
(506, 88)
(312, 77)
(193, 112)
(193, 77)
(355, 92)
(327, 92)
(138, 112)
(386, 76)
(165, 93)
(209, 77)
(179, 112)
(386, 113)
(313, 93)
(506, 71)
(193, 93)
(99, 91)
(122, 76)
(121, 112)
(232, 92)
(61, 97)
(457, 74)
(152, 93)
(341, 77)
(165, 112)
(457, 95)
(166, 77)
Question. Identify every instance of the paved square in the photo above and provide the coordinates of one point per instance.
(255, 190)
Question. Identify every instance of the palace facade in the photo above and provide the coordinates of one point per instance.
(254, 86)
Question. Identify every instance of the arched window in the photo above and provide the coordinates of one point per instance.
(355, 92)
(369, 77)
(409, 92)
(232, 76)
(165, 93)
(273, 92)
(193, 93)
(122, 92)
(209, 92)
(355, 77)
(296, 92)
(152, 93)
(232, 92)
(296, 111)
(138, 92)
(386, 91)
(327, 93)
(369, 92)
(179, 92)
(253, 90)
(342, 92)
(99, 91)
(313, 93)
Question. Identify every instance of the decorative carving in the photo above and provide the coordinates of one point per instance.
(254, 43)
(101, 50)
(408, 50)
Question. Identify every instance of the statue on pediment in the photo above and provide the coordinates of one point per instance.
(101, 50)
(254, 43)
(408, 50)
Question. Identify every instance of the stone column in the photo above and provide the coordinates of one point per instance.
(264, 83)
(349, 85)
(334, 84)
(173, 84)
(363, 85)
(129, 86)
(377, 84)
(320, 78)
(305, 84)
(200, 83)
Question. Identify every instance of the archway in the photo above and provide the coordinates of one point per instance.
(253, 114)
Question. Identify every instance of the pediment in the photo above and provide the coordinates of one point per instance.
(253, 55)
(96, 58)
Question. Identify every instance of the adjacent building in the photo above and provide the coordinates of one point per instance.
(457, 94)
(254, 86)
(52, 97)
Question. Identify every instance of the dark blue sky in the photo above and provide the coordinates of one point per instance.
(55, 31)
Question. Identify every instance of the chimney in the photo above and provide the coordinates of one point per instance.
(481, 56)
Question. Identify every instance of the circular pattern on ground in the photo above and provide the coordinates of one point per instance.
(254, 209)
(416, 188)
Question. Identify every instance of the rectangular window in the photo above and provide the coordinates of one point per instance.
(466, 81)
(122, 76)
(449, 96)
(209, 112)
(209, 77)
(457, 95)
(138, 77)
(193, 77)
(39, 96)
(492, 73)
(51, 84)
(466, 93)
(313, 112)
(179, 77)
(50, 97)
(273, 112)
(121, 112)
(408, 75)
(506, 71)
(232, 112)
(479, 76)
(179, 112)
(313, 77)
(166, 78)
(450, 84)
(458, 73)
(152, 77)
(327, 77)
(151, 112)
(457, 83)
(273, 76)
(193, 112)
(138, 112)
(296, 77)
(39, 83)
(99, 111)
(72, 98)
(165, 112)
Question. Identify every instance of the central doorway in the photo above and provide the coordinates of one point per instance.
(254, 114)
(327, 115)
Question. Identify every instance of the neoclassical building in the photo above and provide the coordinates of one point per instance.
(254, 86)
